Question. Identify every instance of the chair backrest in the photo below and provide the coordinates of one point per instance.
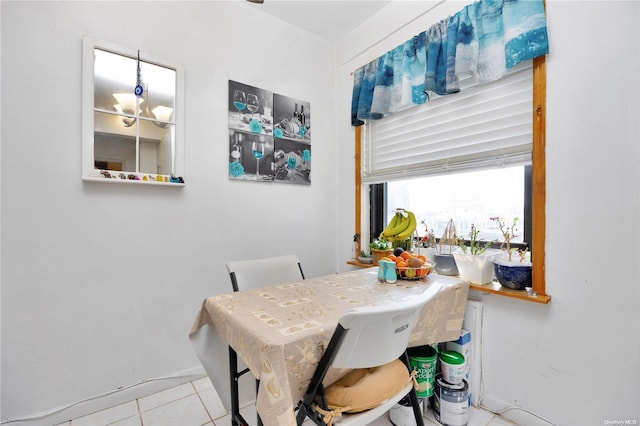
(378, 334)
(254, 273)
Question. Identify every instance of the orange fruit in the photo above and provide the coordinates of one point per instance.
(421, 272)
(405, 255)
(422, 257)
(401, 264)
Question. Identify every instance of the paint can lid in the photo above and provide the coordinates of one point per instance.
(452, 357)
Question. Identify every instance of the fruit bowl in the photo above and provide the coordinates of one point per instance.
(409, 273)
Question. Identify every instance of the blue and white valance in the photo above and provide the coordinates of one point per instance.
(483, 40)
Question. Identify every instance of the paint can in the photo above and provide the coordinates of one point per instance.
(401, 414)
(423, 360)
(451, 402)
(452, 366)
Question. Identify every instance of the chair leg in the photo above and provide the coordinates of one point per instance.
(233, 376)
(259, 420)
(413, 396)
(415, 404)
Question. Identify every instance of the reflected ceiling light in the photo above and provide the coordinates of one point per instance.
(127, 105)
(163, 114)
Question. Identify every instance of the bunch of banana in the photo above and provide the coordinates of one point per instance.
(400, 227)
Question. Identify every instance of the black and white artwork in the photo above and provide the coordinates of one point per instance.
(292, 118)
(292, 161)
(250, 109)
(250, 156)
(269, 136)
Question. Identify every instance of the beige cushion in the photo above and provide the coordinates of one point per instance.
(365, 388)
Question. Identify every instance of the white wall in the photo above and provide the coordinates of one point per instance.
(574, 361)
(100, 283)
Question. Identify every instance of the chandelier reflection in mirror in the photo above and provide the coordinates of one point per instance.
(163, 114)
(126, 104)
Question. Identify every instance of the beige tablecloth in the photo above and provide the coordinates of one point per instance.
(280, 331)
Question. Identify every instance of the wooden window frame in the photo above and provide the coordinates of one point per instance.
(538, 193)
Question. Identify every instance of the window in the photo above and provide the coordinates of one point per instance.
(132, 117)
(536, 186)
(469, 198)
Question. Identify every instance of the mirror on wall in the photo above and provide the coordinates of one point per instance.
(132, 116)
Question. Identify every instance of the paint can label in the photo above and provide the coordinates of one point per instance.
(451, 402)
(423, 360)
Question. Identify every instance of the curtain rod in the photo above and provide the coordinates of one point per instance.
(391, 34)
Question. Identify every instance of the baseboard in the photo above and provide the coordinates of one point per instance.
(100, 402)
(516, 415)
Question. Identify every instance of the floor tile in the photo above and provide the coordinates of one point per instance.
(212, 403)
(521, 417)
(249, 414)
(108, 416)
(162, 397)
(498, 421)
(187, 411)
(130, 421)
(202, 384)
(223, 421)
(479, 417)
(197, 403)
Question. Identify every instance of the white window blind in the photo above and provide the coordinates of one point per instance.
(480, 127)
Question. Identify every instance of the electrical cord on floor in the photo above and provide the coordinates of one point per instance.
(513, 407)
(483, 390)
(189, 377)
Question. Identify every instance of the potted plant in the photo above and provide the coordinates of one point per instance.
(513, 274)
(444, 260)
(379, 249)
(365, 257)
(473, 262)
(427, 244)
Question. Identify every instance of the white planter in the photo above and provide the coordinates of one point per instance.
(475, 269)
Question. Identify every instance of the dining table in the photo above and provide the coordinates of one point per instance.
(280, 331)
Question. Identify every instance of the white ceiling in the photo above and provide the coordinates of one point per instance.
(329, 19)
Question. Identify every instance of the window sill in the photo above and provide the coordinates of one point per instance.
(491, 288)
(360, 265)
(496, 288)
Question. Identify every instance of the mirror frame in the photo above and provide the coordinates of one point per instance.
(89, 172)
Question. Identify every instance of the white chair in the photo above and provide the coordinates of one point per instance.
(366, 337)
(247, 275)
(250, 274)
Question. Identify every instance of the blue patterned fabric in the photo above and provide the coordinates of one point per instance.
(467, 42)
(485, 39)
(525, 31)
(417, 68)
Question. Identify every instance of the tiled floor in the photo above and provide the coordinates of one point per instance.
(197, 404)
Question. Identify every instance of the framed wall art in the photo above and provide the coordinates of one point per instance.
(269, 136)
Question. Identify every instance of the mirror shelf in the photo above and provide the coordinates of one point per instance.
(115, 178)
